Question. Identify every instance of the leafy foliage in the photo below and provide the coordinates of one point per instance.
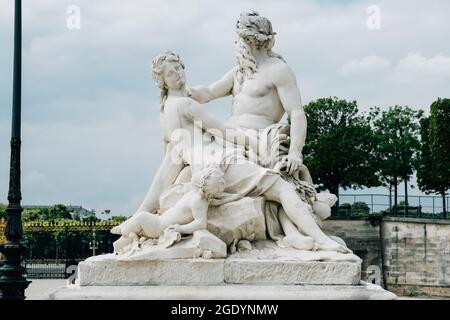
(118, 219)
(360, 208)
(397, 143)
(340, 145)
(440, 144)
(3, 210)
(91, 219)
(53, 213)
(433, 167)
(425, 175)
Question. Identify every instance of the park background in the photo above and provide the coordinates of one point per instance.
(90, 108)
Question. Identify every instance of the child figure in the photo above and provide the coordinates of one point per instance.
(188, 215)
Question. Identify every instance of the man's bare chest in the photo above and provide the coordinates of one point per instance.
(258, 86)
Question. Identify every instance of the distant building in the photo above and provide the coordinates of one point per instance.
(73, 210)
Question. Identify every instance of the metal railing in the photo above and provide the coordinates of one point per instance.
(420, 206)
(48, 268)
(45, 269)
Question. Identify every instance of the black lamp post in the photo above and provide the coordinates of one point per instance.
(12, 281)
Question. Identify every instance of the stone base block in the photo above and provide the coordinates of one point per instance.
(363, 291)
(272, 272)
(111, 272)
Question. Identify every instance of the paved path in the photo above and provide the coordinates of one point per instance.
(39, 287)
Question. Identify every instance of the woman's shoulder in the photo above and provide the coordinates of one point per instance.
(187, 106)
(182, 101)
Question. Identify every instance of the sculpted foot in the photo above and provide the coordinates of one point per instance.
(301, 243)
(330, 245)
(116, 230)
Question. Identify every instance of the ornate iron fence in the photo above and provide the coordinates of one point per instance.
(53, 246)
(46, 268)
(382, 204)
(63, 226)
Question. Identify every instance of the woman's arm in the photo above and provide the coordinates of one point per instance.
(202, 119)
(165, 176)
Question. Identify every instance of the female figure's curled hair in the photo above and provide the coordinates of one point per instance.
(158, 64)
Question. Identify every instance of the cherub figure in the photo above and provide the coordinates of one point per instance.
(187, 216)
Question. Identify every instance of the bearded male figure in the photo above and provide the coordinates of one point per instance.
(264, 88)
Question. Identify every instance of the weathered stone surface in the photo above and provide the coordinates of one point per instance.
(238, 220)
(111, 272)
(200, 244)
(269, 250)
(266, 263)
(414, 252)
(363, 291)
(269, 272)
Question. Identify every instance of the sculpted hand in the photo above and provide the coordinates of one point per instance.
(197, 94)
(176, 228)
(291, 163)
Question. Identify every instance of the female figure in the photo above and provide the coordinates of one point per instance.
(194, 138)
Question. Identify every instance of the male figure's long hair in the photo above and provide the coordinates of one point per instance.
(252, 30)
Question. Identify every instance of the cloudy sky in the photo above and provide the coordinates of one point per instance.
(90, 109)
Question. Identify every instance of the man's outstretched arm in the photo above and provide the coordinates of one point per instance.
(219, 89)
(289, 95)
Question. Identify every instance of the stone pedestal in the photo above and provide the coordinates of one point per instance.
(265, 272)
(362, 291)
(196, 272)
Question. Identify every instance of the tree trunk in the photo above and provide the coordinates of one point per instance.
(406, 190)
(390, 197)
(444, 211)
(395, 191)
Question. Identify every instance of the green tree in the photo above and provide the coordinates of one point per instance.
(340, 145)
(440, 145)
(58, 211)
(360, 208)
(34, 214)
(3, 210)
(76, 216)
(397, 134)
(425, 174)
(439, 141)
(91, 219)
(118, 219)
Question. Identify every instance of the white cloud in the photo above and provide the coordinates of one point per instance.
(366, 66)
(91, 126)
(415, 66)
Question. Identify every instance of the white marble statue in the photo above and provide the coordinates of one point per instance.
(264, 88)
(232, 205)
(183, 120)
(188, 215)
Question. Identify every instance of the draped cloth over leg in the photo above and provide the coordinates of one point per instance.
(273, 146)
